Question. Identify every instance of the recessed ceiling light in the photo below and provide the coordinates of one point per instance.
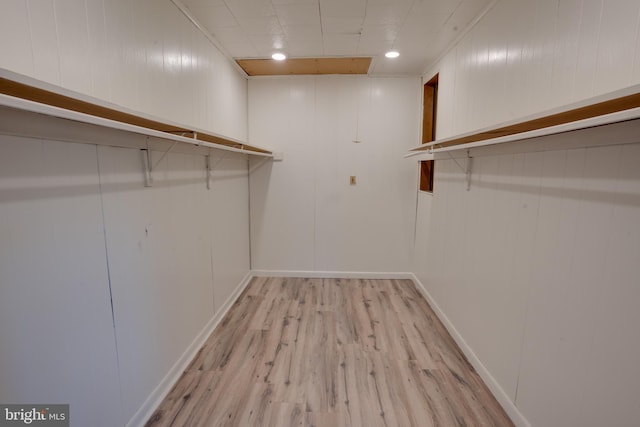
(392, 54)
(279, 56)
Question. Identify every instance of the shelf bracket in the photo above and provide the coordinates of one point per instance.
(212, 167)
(146, 163)
(207, 160)
(259, 165)
(457, 163)
(164, 155)
(468, 172)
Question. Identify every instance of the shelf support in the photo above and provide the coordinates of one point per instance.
(146, 163)
(467, 170)
(258, 165)
(212, 167)
(457, 163)
(27, 94)
(207, 160)
(164, 155)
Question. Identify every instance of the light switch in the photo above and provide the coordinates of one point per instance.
(352, 180)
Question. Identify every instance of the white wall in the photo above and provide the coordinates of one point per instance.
(536, 266)
(78, 228)
(56, 330)
(524, 57)
(144, 55)
(305, 215)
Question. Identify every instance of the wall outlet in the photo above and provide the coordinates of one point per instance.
(352, 180)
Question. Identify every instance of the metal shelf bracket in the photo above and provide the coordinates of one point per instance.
(146, 163)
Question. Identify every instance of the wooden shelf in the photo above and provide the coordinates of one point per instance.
(614, 107)
(21, 92)
(305, 66)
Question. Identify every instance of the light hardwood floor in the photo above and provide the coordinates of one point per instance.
(330, 352)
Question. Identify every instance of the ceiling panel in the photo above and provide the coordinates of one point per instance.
(250, 8)
(229, 35)
(304, 48)
(374, 47)
(340, 44)
(276, 2)
(342, 25)
(243, 49)
(419, 29)
(214, 16)
(311, 31)
(380, 32)
(266, 45)
(298, 14)
(206, 2)
(298, 66)
(388, 13)
(261, 25)
(343, 8)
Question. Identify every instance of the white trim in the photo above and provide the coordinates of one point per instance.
(214, 41)
(332, 274)
(162, 390)
(420, 155)
(49, 110)
(36, 107)
(156, 397)
(501, 396)
(621, 133)
(605, 119)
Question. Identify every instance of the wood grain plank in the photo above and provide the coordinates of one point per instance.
(596, 109)
(55, 99)
(305, 66)
(330, 352)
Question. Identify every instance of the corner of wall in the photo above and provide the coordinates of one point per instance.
(501, 396)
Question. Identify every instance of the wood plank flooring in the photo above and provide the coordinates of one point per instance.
(330, 352)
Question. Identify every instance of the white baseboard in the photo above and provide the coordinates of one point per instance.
(162, 390)
(507, 404)
(332, 274)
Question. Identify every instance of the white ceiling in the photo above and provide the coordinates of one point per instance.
(419, 29)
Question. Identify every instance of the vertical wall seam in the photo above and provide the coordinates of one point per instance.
(55, 22)
(634, 63)
(315, 174)
(106, 253)
(248, 131)
(415, 219)
(579, 209)
(249, 208)
(211, 260)
(529, 285)
(597, 315)
(106, 42)
(598, 40)
(89, 53)
(574, 90)
(30, 23)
